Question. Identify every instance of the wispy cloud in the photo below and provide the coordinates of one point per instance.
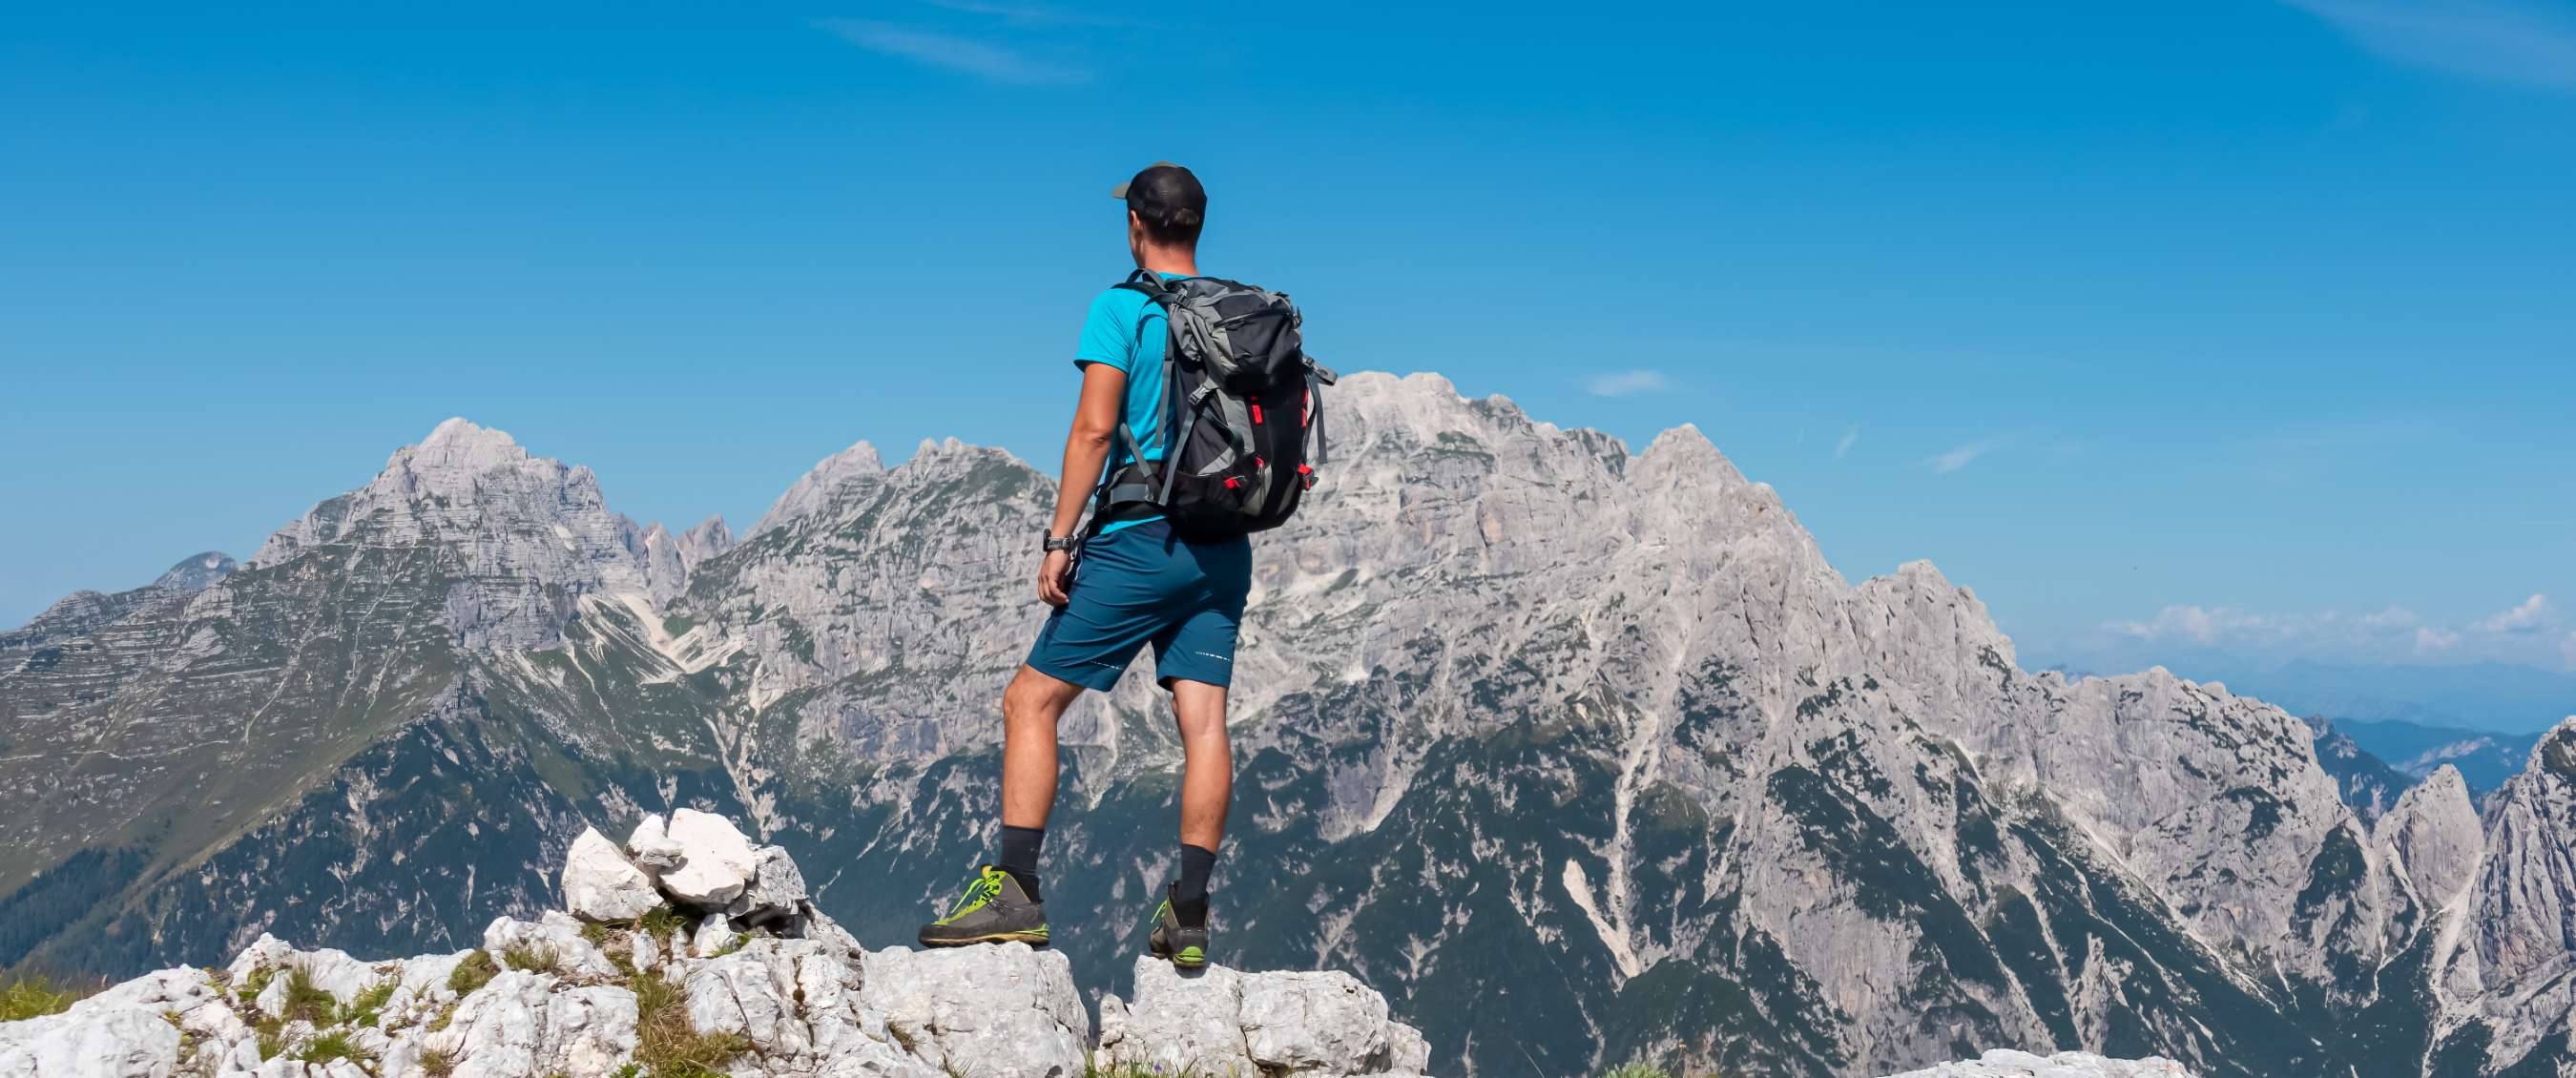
(2529, 632)
(1842, 446)
(1628, 384)
(1963, 456)
(2523, 42)
(2528, 616)
(1030, 14)
(987, 60)
(2429, 640)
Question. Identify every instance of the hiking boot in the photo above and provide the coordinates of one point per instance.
(1186, 946)
(993, 910)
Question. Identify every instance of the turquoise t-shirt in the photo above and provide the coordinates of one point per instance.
(1126, 330)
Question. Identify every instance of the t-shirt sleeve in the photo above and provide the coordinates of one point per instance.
(1109, 332)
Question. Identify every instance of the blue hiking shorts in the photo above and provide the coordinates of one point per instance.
(1141, 585)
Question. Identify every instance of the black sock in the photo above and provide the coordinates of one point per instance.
(1189, 896)
(1019, 856)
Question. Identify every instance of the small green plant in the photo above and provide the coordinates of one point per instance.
(35, 997)
(437, 1064)
(667, 1046)
(534, 958)
(336, 1044)
(661, 921)
(446, 1015)
(475, 971)
(367, 1008)
(631, 1070)
(272, 1037)
(1637, 1070)
(735, 944)
(595, 932)
(256, 982)
(307, 1002)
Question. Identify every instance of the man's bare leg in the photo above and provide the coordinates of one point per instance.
(1003, 904)
(1030, 708)
(1207, 762)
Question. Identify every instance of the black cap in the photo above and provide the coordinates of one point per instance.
(1168, 199)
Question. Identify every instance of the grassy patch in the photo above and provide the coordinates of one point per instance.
(667, 1046)
(661, 921)
(337, 1044)
(534, 958)
(735, 944)
(437, 1064)
(306, 1001)
(1636, 1070)
(255, 982)
(368, 1008)
(36, 996)
(473, 973)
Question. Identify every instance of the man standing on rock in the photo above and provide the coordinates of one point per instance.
(1140, 583)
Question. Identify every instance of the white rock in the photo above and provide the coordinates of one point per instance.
(520, 1026)
(555, 933)
(1000, 1012)
(714, 934)
(651, 846)
(600, 885)
(1224, 1021)
(776, 892)
(716, 861)
(119, 1033)
(752, 992)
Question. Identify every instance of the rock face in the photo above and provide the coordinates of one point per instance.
(600, 884)
(557, 996)
(716, 861)
(1219, 1021)
(1579, 755)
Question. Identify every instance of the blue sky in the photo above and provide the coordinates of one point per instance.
(2168, 327)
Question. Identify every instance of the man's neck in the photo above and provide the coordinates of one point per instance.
(1172, 263)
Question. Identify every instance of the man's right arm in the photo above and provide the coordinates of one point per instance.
(1086, 452)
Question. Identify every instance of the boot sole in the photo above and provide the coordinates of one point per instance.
(1034, 939)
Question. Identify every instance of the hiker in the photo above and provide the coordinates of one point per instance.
(1199, 422)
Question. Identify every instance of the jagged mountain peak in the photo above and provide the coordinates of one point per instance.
(459, 445)
(195, 571)
(820, 483)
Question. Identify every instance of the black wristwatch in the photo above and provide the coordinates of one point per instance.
(1059, 542)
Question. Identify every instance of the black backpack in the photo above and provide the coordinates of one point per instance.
(1242, 415)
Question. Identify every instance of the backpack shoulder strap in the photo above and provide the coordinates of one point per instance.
(1150, 283)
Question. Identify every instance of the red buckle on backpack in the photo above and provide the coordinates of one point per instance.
(1306, 476)
(1256, 410)
(1230, 484)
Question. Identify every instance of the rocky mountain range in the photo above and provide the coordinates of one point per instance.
(1581, 755)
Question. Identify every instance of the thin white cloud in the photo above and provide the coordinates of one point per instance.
(2528, 616)
(1019, 14)
(1628, 384)
(1842, 446)
(2195, 624)
(2530, 632)
(1963, 456)
(2392, 620)
(983, 59)
(2520, 42)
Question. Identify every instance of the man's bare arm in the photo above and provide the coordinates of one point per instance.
(1086, 451)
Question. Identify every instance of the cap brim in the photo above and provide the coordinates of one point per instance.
(1119, 192)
